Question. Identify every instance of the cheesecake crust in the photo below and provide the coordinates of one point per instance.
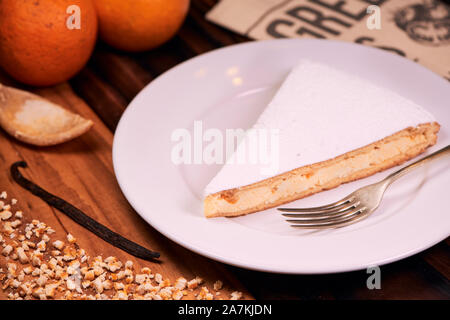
(307, 180)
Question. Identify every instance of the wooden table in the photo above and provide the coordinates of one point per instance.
(81, 171)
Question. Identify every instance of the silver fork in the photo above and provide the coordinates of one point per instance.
(354, 207)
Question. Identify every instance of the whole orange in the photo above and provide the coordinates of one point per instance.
(139, 25)
(40, 42)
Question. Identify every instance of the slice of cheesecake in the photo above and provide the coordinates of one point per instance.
(333, 128)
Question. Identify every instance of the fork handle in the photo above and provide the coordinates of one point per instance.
(435, 155)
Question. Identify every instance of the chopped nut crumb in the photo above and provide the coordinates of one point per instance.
(236, 295)
(5, 215)
(41, 246)
(70, 284)
(129, 265)
(71, 238)
(7, 250)
(58, 244)
(23, 258)
(218, 285)
(67, 272)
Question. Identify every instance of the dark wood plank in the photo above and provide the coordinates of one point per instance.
(439, 258)
(101, 97)
(193, 40)
(120, 70)
(163, 58)
(214, 33)
(411, 278)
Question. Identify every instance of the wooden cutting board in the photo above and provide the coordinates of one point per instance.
(81, 172)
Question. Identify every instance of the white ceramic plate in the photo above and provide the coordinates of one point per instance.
(229, 88)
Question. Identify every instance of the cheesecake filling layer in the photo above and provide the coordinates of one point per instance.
(307, 180)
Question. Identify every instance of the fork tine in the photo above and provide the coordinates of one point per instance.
(321, 208)
(333, 212)
(333, 225)
(355, 216)
(307, 220)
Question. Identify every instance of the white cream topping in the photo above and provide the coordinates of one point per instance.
(321, 113)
